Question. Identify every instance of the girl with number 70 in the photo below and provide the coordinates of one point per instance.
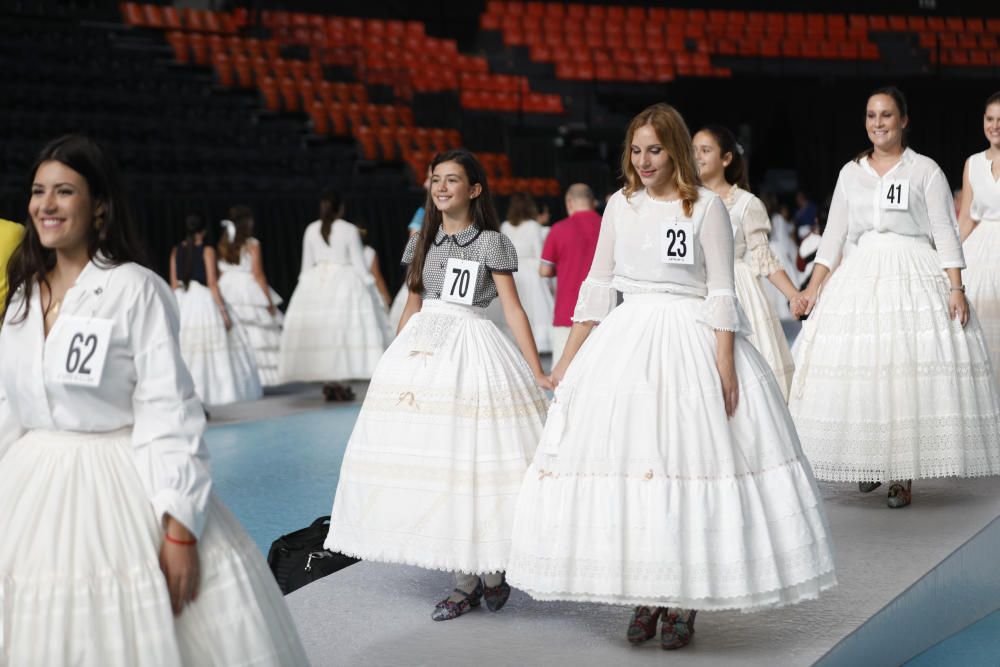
(893, 380)
(453, 412)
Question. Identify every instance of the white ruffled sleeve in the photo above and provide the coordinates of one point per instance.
(756, 229)
(170, 455)
(597, 296)
(721, 310)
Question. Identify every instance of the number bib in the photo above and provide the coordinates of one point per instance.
(80, 349)
(677, 242)
(895, 195)
(460, 281)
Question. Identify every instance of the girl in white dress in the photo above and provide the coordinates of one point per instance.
(378, 290)
(980, 213)
(453, 413)
(214, 347)
(115, 551)
(723, 170)
(669, 475)
(893, 379)
(245, 290)
(528, 237)
(334, 330)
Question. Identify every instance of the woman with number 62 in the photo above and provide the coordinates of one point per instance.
(893, 381)
(453, 412)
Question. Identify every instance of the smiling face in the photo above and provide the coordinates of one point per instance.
(451, 191)
(61, 207)
(708, 156)
(991, 125)
(884, 123)
(651, 160)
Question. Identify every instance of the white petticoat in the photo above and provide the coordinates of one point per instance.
(887, 386)
(80, 580)
(643, 492)
(221, 362)
(245, 298)
(334, 329)
(432, 470)
(982, 280)
(537, 301)
(768, 336)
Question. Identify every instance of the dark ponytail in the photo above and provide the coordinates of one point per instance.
(736, 171)
(331, 207)
(904, 112)
(193, 224)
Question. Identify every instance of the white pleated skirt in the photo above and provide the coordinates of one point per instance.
(768, 336)
(221, 362)
(887, 386)
(434, 464)
(246, 300)
(334, 328)
(982, 280)
(537, 300)
(643, 492)
(80, 580)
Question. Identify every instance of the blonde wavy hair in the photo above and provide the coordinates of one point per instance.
(673, 134)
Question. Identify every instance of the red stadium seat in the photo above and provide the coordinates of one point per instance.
(179, 43)
(320, 118)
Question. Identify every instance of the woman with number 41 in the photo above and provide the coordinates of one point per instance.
(893, 380)
(453, 412)
(114, 551)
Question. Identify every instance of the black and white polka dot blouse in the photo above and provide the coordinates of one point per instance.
(492, 250)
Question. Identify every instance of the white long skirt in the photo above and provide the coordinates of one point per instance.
(537, 300)
(432, 470)
(221, 362)
(887, 386)
(80, 579)
(245, 298)
(643, 492)
(334, 329)
(768, 336)
(982, 280)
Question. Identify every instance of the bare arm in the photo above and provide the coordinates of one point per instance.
(212, 277)
(577, 337)
(784, 284)
(257, 268)
(518, 322)
(725, 364)
(413, 303)
(966, 225)
(173, 269)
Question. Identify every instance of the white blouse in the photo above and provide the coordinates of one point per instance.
(751, 226)
(144, 385)
(345, 247)
(628, 259)
(527, 237)
(985, 189)
(860, 205)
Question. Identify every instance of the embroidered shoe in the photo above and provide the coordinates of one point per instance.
(678, 629)
(496, 596)
(900, 495)
(868, 487)
(643, 624)
(447, 609)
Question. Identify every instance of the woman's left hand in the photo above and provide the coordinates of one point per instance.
(958, 306)
(730, 384)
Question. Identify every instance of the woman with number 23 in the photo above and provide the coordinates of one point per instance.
(115, 552)
(453, 412)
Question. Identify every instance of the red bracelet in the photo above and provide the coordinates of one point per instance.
(183, 543)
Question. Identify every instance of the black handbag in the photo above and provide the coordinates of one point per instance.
(299, 558)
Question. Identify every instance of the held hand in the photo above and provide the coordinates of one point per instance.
(226, 321)
(805, 303)
(180, 566)
(958, 306)
(730, 385)
(272, 310)
(545, 382)
(558, 371)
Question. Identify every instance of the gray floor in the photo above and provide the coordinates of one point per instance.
(375, 614)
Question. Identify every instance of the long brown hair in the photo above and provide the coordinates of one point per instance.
(194, 224)
(115, 243)
(331, 207)
(521, 207)
(736, 171)
(481, 209)
(904, 113)
(673, 133)
(242, 219)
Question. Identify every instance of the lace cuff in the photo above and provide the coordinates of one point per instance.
(722, 312)
(763, 262)
(596, 300)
